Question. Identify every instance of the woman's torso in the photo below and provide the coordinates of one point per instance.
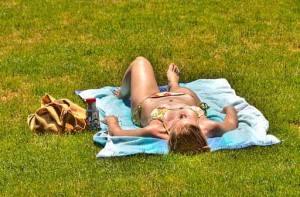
(170, 101)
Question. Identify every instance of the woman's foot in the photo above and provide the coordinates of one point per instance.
(173, 76)
(117, 92)
(173, 73)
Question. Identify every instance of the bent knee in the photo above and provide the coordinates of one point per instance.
(141, 61)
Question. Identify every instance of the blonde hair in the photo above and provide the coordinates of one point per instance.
(187, 139)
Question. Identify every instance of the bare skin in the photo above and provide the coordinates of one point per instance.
(139, 82)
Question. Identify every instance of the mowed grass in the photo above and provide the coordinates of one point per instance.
(57, 47)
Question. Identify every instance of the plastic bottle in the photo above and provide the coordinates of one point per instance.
(92, 119)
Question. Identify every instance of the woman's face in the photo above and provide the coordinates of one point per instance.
(180, 117)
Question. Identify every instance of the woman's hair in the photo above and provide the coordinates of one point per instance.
(187, 139)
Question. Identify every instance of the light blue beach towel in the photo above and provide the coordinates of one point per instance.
(217, 93)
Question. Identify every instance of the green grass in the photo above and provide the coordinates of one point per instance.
(57, 47)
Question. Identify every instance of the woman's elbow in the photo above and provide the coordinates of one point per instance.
(233, 125)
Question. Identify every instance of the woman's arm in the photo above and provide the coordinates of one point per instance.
(231, 120)
(217, 129)
(114, 129)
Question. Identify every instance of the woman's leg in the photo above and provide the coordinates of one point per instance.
(138, 82)
(173, 82)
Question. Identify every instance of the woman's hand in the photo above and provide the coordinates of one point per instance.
(112, 124)
(228, 108)
(110, 120)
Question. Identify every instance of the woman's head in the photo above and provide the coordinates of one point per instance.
(187, 139)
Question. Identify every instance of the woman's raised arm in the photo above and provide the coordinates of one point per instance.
(217, 129)
(231, 120)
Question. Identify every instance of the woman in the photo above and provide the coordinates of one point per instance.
(177, 115)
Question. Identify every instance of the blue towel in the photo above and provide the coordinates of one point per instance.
(217, 93)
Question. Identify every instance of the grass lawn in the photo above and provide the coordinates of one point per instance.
(59, 46)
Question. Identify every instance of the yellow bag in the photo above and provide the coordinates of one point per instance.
(57, 116)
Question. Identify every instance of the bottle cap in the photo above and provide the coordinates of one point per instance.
(90, 100)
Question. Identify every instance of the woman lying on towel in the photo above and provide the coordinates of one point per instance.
(177, 115)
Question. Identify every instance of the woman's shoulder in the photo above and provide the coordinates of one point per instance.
(156, 129)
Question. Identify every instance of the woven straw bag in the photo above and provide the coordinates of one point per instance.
(57, 116)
